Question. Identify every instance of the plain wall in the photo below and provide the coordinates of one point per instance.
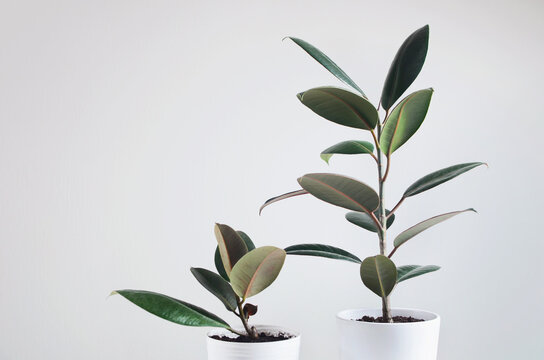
(127, 128)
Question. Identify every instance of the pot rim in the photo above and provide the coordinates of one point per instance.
(295, 335)
(342, 315)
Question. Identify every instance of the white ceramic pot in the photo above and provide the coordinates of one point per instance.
(397, 341)
(275, 350)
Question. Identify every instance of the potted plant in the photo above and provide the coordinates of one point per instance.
(386, 333)
(242, 272)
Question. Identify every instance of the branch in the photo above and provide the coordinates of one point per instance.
(396, 206)
(387, 168)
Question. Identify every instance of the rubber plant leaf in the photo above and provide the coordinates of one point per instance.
(379, 274)
(321, 250)
(365, 221)
(405, 67)
(171, 309)
(231, 246)
(404, 120)
(349, 147)
(406, 272)
(438, 177)
(217, 286)
(256, 270)
(282, 197)
(340, 191)
(341, 106)
(424, 225)
(327, 63)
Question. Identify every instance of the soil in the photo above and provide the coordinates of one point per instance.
(263, 337)
(396, 319)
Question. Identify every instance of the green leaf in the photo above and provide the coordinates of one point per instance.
(424, 225)
(410, 271)
(340, 191)
(341, 106)
(404, 120)
(217, 258)
(324, 60)
(231, 246)
(217, 286)
(171, 309)
(320, 250)
(219, 264)
(405, 67)
(249, 243)
(379, 274)
(348, 147)
(256, 270)
(365, 221)
(282, 197)
(438, 177)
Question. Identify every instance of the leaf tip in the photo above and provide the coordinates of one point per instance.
(325, 157)
(114, 292)
(300, 96)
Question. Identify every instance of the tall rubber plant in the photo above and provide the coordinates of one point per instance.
(401, 120)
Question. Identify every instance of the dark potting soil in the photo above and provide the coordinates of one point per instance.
(263, 337)
(396, 319)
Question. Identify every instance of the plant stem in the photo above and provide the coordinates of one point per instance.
(250, 330)
(382, 218)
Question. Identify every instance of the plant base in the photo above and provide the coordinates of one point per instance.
(287, 349)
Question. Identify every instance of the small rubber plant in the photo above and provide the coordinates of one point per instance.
(401, 120)
(242, 272)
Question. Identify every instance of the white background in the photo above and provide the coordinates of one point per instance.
(127, 128)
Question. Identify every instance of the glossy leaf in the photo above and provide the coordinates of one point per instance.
(217, 257)
(341, 106)
(217, 286)
(348, 147)
(219, 264)
(424, 225)
(249, 243)
(320, 250)
(379, 274)
(231, 246)
(404, 120)
(411, 271)
(405, 67)
(365, 221)
(340, 191)
(282, 197)
(324, 60)
(171, 309)
(438, 177)
(256, 270)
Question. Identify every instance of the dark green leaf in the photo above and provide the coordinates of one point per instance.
(424, 225)
(340, 191)
(347, 147)
(231, 246)
(365, 221)
(249, 243)
(341, 106)
(320, 250)
(405, 67)
(256, 270)
(171, 309)
(281, 197)
(379, 274)
(324, 60)
(404, 120)
(410, 271)
(217, 286)
(438, 177)
(219, 264)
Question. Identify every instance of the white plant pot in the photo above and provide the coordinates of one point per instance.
(397, 341)
(274, 350)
